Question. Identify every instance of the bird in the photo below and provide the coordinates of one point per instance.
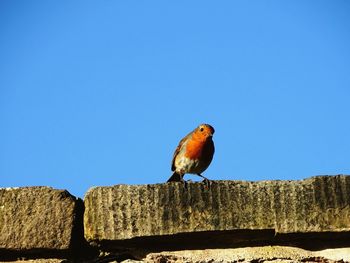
(194, 153)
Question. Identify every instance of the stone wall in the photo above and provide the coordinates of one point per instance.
(226, 221)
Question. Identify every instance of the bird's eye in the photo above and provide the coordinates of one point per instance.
(201, 129)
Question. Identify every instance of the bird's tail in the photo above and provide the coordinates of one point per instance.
(175, 177)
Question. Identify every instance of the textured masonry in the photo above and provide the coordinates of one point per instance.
(243, 221)
(38, 219)
(318, 204)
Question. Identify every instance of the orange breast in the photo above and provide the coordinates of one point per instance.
(194, 149)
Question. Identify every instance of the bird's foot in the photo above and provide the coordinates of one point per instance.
(207, 183)
(206, 180)
(185, 183)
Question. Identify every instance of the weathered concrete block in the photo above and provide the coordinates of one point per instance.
(38, 219)
(123, 212)
(272, 254)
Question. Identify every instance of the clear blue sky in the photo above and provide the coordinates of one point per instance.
(100, 92)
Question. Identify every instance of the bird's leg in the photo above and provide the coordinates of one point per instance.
(206, 180)
(185, 184)
(182, 180)
(178, 177)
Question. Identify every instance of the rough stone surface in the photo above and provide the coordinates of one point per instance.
(37, 219)
(123, 212)
(337, 254)
(264, 254)
(275, 254)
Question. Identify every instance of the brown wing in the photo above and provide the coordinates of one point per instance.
(178, 148)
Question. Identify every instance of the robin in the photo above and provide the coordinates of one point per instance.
(193, 154)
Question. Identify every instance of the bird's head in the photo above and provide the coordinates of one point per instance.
(205, 130)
